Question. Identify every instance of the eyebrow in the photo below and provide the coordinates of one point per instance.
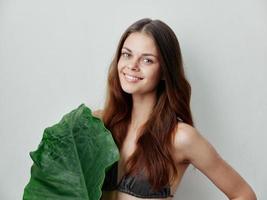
(144, 54)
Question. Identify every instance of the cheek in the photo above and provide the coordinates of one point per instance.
(156, 75)
(119, 65)
(119, 70)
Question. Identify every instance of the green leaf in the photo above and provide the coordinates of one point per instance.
(72, 158)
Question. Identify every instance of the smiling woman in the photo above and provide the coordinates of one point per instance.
(148, 113)
(141, 54)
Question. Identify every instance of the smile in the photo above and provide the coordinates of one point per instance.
(131, 78)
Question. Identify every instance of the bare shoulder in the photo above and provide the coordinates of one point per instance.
(98, 113)
(185, 135)
(189, 142)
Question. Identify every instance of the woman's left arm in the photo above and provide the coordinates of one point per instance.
(200, 153)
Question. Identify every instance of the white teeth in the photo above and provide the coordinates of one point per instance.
(132, 77)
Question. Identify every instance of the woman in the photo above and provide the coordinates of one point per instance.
(148, 112)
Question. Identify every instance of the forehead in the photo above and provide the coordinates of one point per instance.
(140, 43)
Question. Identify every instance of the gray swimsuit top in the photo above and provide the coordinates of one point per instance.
(134, 185)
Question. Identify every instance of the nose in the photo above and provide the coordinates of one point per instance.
(133, 65)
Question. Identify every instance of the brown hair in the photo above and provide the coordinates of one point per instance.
(154, 148)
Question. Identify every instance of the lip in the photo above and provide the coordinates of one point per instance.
(128, 78)
(132, 75)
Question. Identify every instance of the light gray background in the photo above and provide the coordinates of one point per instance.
(54, 55)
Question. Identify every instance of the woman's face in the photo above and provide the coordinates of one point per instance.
(138, 67)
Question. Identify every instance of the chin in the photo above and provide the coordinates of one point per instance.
(128, 90)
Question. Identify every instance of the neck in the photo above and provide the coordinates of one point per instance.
(142, 108)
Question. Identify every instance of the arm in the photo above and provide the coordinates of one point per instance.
(200, 153)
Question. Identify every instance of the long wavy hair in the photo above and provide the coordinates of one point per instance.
(154, 147)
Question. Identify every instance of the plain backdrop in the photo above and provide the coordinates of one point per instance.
(54, 55)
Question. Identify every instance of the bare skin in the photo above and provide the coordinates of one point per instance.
(189, 145)
(192, 148)
(125, 152)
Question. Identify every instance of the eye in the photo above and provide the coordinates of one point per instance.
(125, 54)
(147, 61)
